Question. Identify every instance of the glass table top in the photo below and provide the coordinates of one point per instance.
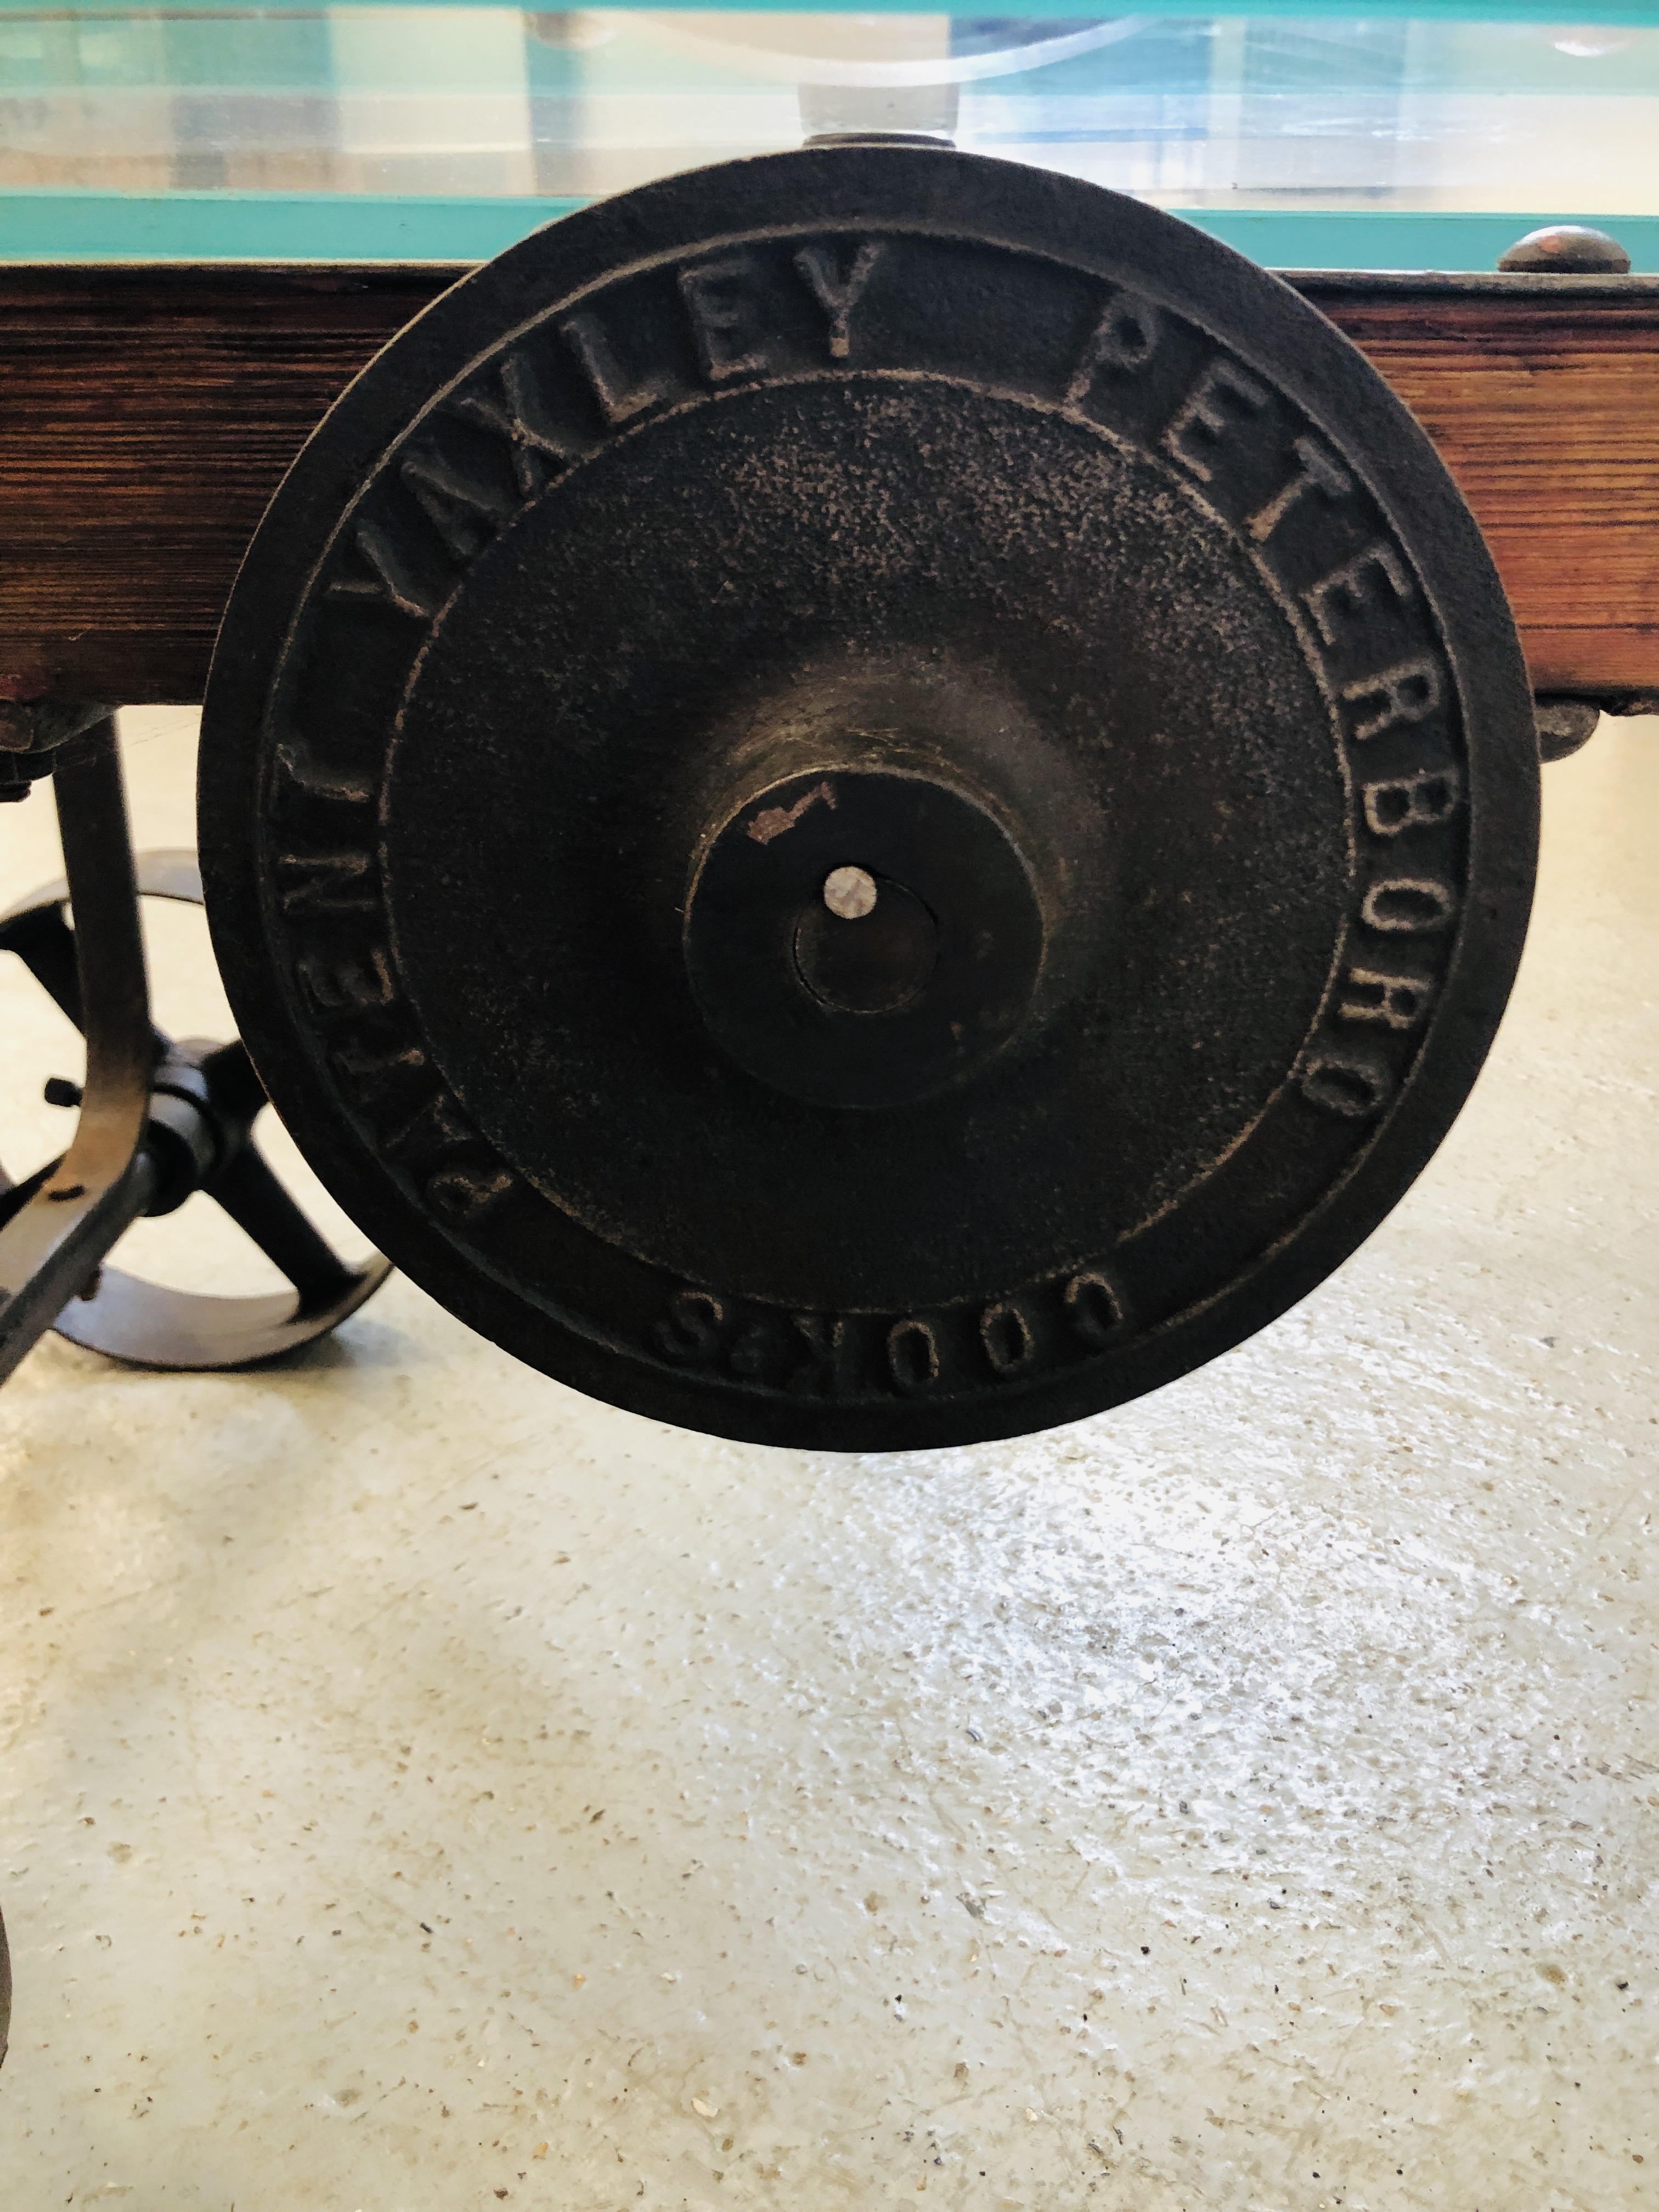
(1422, 137)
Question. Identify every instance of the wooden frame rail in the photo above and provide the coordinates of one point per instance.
(147, 414)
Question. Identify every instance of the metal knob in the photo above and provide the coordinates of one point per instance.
(1566, 249)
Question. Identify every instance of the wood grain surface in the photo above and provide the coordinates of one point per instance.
(1548, 415)
(148, 414)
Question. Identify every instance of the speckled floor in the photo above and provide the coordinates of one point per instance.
(423, 1788)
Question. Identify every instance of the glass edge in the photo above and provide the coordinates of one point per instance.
(40, 227)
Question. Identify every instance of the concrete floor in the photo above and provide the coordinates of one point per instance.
(423, 1788)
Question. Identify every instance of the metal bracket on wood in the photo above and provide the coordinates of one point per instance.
(1566, 724)
(33, 733)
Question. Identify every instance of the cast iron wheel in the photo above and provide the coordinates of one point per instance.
(151, 1324)
(868, 798)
